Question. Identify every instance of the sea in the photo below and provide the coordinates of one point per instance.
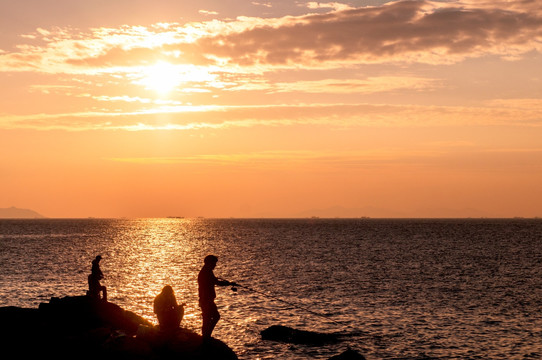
(391, 288)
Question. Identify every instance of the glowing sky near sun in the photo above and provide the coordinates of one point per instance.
(271, 108)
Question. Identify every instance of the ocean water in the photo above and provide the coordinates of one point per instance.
(396, 289)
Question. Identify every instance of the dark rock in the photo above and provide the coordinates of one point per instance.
(348, 355)
(83, 313)
(293, 336)
(82, 328)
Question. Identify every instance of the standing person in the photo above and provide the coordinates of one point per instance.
(168, 312)
(206, 289)
(94, 286)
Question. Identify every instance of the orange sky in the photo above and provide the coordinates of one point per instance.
(156, 108)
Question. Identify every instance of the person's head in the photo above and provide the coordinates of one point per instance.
(210, 260)
(167, 290)
(98, 258)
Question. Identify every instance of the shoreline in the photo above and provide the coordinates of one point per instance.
(78, 327)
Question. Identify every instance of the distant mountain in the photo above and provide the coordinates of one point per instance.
(16, 213)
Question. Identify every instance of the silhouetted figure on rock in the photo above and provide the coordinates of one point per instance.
(168, 312)
(94, 286)
(206, 289)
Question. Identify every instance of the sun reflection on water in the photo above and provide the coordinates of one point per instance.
(155, 253)
(373, 276)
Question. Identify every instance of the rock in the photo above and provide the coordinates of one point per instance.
(82, 328)
(83, 313)
(289, 335)
(348, 355)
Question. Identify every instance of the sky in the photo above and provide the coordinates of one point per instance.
(234, 108)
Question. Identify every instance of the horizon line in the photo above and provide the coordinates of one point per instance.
(281, 218)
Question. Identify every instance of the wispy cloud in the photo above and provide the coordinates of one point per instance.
(436, 158)
(328, 5)
(526, 104)
(265, 4)
(333, 116)
(207, 12)
(134, 99)
(342, 86)
(286, 159)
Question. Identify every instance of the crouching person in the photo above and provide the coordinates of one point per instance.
(168, 312)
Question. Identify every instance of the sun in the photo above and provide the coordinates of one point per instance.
(164, 77)
(161, 77)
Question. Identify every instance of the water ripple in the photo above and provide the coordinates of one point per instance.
(398, 289)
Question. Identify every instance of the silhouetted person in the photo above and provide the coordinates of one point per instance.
(94, 286)
(206, 289)
(168, 312)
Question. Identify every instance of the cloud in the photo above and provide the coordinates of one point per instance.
(342, 86)
(436, 158)
(135, 99)
(100, 50)
(524, 104)
(207, 12)
(330, 5)
(531, 6)
(401, 31)
(278, 157)
(330, 116)
(267, 5)
(407, 31)
(47, 89)
(287, 159)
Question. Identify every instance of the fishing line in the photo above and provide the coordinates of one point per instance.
(287, 302)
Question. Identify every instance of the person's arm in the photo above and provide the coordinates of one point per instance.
(223, 282)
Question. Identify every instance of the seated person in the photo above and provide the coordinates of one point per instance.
(168, 312)
(94, 286)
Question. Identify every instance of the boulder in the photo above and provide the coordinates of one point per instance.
(293, 336)
(84, 313)
(83, 328)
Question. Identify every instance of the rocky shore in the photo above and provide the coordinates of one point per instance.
(82, 328)
(79, 327)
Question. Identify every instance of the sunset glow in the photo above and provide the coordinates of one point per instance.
(164, 77)
(272, 109)
(161, 77)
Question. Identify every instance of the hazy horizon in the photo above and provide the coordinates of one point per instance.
(250, 108)
(309, 214)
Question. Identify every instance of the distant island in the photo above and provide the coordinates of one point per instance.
(16, 213)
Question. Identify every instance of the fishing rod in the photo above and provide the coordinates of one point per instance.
(234, 284)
